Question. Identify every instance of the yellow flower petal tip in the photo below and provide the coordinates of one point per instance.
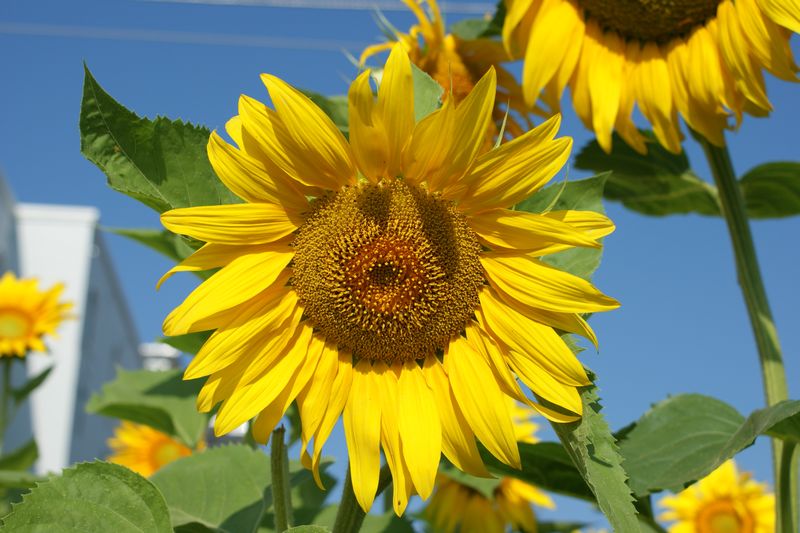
(725, 500)
(354, 302)
(145, 450)
(28, 314)
(703, 61)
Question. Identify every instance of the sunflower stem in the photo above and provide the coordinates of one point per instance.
(4, 397)
(755, 297)
(786, 482)
(350, 515)
(281, 490)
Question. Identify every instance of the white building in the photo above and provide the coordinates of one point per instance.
(63, 244)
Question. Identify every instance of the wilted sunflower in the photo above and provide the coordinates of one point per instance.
(457, 64)
(402, 294)
(703, 59)
(725, 501)
(144, 449)
(456, 506)
(28, 314)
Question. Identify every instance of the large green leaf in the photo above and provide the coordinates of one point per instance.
(581, 195)
(546, 465)
(225, 489)
(594, 451)
(427, 93)
(164, 242)
(162, 163)
(772, 190)
(684, 438)
(161, 400)
(91, 497)
(659, 183)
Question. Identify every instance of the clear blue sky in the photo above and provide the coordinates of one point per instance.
(682, 326)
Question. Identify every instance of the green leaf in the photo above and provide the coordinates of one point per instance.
(188, 343)
(21, 393)
(684, 438)
(427, 93)
(482, 485)
(780, 421)
(659, 183)
(94, 496)
(333, 106)
(308, 529)
(162, 163)
(161, 400)
(22, 458)
(594, 451)
(772, 190)
(164, 242)
(469, 29)
(581, 195)
(225, 489)
(546, 465)
(18, 479)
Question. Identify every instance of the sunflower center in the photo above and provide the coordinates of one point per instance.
(13, 324)
(722, 516)
(650, 20)
(387, 271)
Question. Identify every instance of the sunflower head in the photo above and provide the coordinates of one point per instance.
(384, 279)
(27, 314)
(458, 64)
(700, 59)
(145, 450)
(725, 501)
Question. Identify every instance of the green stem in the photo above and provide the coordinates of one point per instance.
(786, 482)
(4, 397)
(755, 297)
(350, 515)
(281, 491)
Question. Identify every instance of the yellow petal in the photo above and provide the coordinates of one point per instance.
(362, 429)
(396, 106)
(594, 225)
(520, 230)
(427, 154)
(211, 256)
(458, 439)
(483, 405)
(605, 81)
(528, 337)
(249, 178)
(367, 135)
(769, 42)
(538, 284)
(511, 173)
(516, 10)
(483, 343)
(312, 401)
(241, 224)
(390, 435)
(784, 12)
(420, 428)
(653, 92)
(242, 279)
(542, 383)
(312, 133)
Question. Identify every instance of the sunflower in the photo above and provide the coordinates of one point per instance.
(382, 279)
(457, 64)
(28, 314)
(725, 501)
(144, 449)
(455, 506)
(703, 59)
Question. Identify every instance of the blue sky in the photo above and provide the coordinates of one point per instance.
(682, 326)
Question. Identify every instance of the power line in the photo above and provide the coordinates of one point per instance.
(464, 8)
(178, 37)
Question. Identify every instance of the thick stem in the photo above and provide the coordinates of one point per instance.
(281, 491)
(5, 396)
(755, 297)
(785, 485)
(351, 515)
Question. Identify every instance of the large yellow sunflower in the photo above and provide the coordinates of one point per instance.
(455, 506)
(28, 314)
(457, 64)
(725, 501)
(144, 449)
(385, 279)
(703, 59)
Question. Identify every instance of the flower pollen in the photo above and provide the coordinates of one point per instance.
(387, 270)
